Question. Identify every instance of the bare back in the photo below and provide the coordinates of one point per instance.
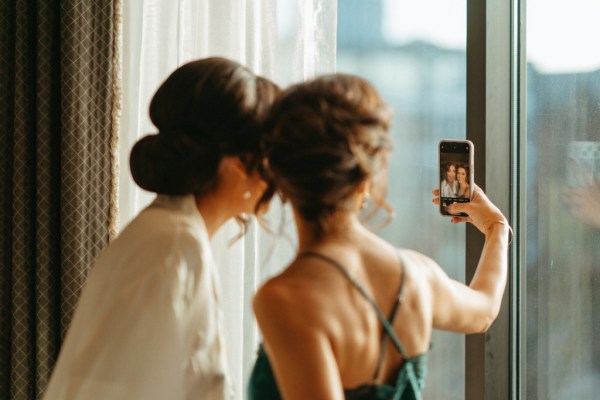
(330, 299)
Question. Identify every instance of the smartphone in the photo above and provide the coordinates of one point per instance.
(456, 173)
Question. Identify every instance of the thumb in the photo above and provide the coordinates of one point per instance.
(456, 208)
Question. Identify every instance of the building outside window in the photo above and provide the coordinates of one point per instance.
(416, 56)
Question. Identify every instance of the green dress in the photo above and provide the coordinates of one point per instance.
(410, 379)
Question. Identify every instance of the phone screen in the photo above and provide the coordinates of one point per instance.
(456, 173)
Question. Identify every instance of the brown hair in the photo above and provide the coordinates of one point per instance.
(326, 137)
(205, 110)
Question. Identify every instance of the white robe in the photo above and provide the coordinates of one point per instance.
(148, 325)
(447, 190)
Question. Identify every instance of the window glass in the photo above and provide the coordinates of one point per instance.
(562, 318)
(414, 54)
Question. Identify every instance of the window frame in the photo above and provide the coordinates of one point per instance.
(495, 113)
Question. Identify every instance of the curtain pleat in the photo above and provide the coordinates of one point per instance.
(57, 153)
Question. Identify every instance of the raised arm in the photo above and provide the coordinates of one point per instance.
(473, 308)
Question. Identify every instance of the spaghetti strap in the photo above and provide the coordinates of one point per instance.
(382, 318)
(385, 334)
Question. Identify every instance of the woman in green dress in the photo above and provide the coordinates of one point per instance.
(352, 316)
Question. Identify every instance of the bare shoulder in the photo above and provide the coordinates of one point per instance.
(293, 329)
(287, 300)
(275, 294)
(425, 271)
(419, 263)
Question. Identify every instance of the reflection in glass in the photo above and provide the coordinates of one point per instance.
(562, 320)
(400, 50)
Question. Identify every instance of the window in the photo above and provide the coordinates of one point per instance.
(416, 59)
(531, 104)
(562, 202)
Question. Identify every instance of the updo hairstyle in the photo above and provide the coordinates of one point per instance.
(450, 164)
(326, 137)
(463, 166)
(205, 110)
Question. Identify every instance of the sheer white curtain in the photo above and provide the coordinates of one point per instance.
(285, 40)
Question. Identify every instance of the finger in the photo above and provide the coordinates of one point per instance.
(436, 200)
(457, 220)
(436, 192)
(456, 208)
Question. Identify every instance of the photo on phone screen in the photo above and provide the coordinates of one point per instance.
(456, 173)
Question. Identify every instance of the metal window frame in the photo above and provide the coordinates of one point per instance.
(495, 118)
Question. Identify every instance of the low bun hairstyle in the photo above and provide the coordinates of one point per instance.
(174, 164)
(205, 110)
(326, 137)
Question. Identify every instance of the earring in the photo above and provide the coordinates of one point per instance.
(365, 201)
(247, 194)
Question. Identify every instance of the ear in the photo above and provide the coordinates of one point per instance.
(235, 165)
(365, 187)
(362, 193)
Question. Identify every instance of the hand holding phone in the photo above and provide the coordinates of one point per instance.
(456, 159)
(482, 213)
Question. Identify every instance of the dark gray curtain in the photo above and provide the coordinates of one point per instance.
(58, 79)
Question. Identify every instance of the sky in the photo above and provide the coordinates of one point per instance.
(559, 38)
(438, 21)
(563, 38)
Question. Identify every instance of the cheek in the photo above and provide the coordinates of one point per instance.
(261, 187)
(258, 189)
(264, 208)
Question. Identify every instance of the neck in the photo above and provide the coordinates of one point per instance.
(213, 213)
(341, 227)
